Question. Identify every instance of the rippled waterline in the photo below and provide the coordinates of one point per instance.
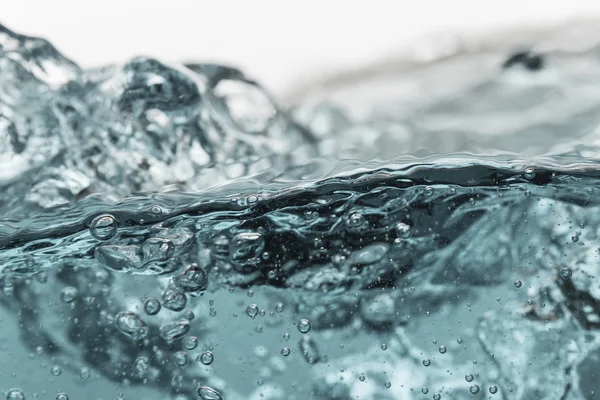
(170, 232)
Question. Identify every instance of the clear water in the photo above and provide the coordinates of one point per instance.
(170, 232)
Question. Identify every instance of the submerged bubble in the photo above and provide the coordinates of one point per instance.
(427, 362)
(68, 294)
(518, 283)
(566, 272)
(304, 326)
(208, 393)
(437, 396)
(172, 331)
(192, 279)
(103, 227)
(245, 249)
(403, 230)
(141, 365)
(285, 351)
(15, 394)
(206, 358)
(152, 306)
(62, 396)
(157, 249)
(252, 311)
(493, 389)
(529, 173)
(55, 370)
(190, 342)
(173, 298)
(443, 349)
(469, 378)
(181, 358)
(131, 325)
(388, 384)
(474, 389)
(424, 390)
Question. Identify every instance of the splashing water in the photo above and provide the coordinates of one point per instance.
(171, 232)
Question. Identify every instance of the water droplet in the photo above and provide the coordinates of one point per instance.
(388, 385)
(437, 396)
(172, 331)
(208, 393)
(443, 349)
(15, 394)
(428, 192)
(424, 390)
(252, 311)
(304, 326)
(384, 347)
(529, 173)
(285, 351)
(518, 283)
(190, 342)
(55, 370)
(130, 324)
(206, 358)
(62, 396)
(469, 378)
(152, 306)
(103, 227)
(181, 358)
(427, 362)
(474, 389)
(362, 377)
(493, 389)
(192, 279)
(566, 272)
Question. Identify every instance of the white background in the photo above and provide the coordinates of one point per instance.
(277, 42)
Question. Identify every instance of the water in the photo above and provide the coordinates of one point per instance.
(170, 232)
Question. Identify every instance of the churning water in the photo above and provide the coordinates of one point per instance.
(170, 232)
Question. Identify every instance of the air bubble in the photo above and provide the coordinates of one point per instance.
(304, 326)
(403, 230)
(173, 298)
(208, 393)
(15, 394)
(566, 272)
(493, 389)
(189, 315)
(206, 358)
(443, 349)
(529, 173)
(55, 370)
(424, 390)
(427, 362)
(103, 227)
(518, 283)
(428, 192)
(285, 351)
(130, 324)
(141, 365)
(474, 389)
(157, 249)
(68, 294)
(62, 396)
(152, 306)
(181, 358)
(172, 331)
(192, 279)
(252, 311)
(469, 378)
(279, 307)
(362, 377)
(190, 342)
(388, 385)
(244, 251)
(437, 396)
(384, 347)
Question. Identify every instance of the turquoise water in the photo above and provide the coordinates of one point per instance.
(171, 232)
